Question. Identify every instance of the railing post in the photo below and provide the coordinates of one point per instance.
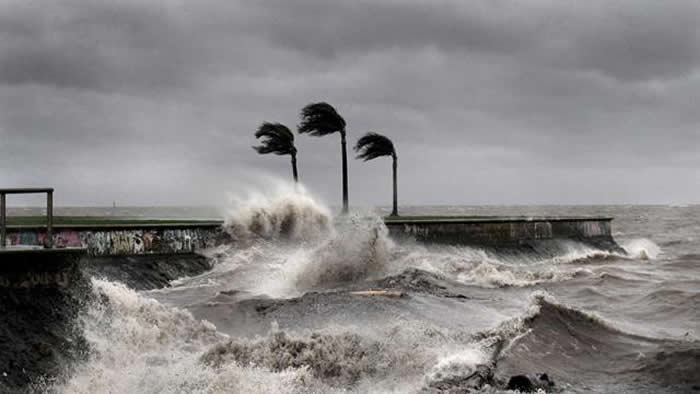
(3, 221)
(49, 219)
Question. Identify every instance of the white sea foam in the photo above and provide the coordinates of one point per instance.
(477, 267)
(282, 212)
(322, 252)
(457, 364)
(138, 345)
(359, 249)
(500, 275)
(642, 248)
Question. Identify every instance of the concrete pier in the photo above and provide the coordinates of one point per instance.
(125, 239)
(503, 231)
(133, 239)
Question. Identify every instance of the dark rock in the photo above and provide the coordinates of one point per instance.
(521, 383)
(545, 381)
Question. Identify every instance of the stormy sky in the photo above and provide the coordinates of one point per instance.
(488, 101)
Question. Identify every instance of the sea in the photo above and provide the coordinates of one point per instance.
(337, 306)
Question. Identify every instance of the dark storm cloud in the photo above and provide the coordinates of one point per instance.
(629, 40)
(329, 29)
(94, 45)
(156, 101)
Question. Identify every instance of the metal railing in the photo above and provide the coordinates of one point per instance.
(49, 212)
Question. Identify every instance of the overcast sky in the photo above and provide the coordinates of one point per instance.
(488, 101)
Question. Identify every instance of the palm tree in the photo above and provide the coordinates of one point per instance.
(277, 139)
(373, 145)
(319, 119)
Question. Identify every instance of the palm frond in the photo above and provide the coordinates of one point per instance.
(319, 119)
(373, 145)
(275, 138)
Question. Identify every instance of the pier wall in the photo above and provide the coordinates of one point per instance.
(124, 240)
(175, 239)
(503, 232)
(29, 268)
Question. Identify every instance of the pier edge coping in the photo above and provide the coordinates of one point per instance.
(120, 226)
(387, 220)
(494, 219)
(13, 250)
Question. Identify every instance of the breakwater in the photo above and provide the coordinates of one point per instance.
(130, 239)
(124, 239)
(503, 231)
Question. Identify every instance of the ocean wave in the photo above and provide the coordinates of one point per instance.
(542, 309)
(284, 213)
(341, 359)
(581, 345)
(466, 370)
(360, 249)
(672, 298)
(506, 276)
(574, 252)
(138, 345)
(480, 268)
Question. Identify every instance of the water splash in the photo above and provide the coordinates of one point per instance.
(282, 212)
(141, 346)
(479, 267)
(360, 249)
(457, 369)
(642, 248)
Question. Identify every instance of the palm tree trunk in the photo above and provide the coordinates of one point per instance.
(345, 172)
(395, 210)
(294, 169)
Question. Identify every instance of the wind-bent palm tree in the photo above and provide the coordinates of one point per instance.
(278, 139)
(319, 119)
(373, 145)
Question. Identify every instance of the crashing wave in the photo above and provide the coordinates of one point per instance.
(138, 345)
(286, 213)
(340, 359)
(359, 250)
(642, 248)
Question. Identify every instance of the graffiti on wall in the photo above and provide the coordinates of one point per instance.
(123, 242)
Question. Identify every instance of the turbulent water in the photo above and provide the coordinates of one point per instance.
(303, 303)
